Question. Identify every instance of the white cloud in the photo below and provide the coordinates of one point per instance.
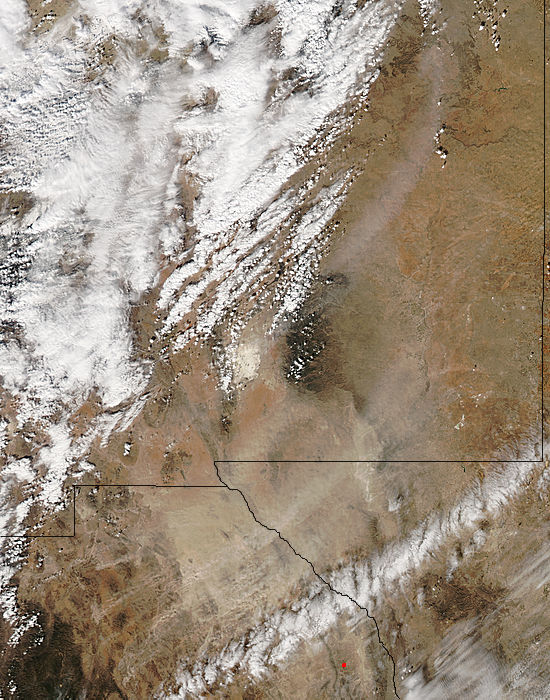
(272, 642)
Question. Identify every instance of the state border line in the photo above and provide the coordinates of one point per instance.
(74, 487)
(225, 487)
(274, 461)
(315, 572)
(545, 263)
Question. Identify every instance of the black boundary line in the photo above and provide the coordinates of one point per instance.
(278, 461)
(275, 461)
(406, 461)
(372, 461)
(316, 573)
(79, 486)
(543, 225)
(382, 461)
(225, 486)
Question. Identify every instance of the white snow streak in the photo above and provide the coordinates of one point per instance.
(100, 153)
(101, 160)
(272, 642)
(243, 152)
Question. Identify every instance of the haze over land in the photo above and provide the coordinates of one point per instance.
(289, 255)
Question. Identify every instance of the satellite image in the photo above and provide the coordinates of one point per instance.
(273, 348)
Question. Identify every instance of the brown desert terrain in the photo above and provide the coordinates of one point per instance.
(344, 503)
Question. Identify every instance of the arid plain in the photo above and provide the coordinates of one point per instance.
(342, 503)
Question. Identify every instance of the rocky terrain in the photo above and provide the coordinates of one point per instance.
(293, 406)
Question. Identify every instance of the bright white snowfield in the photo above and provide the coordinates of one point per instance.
(101, 145)
(193, 201)
(103, 158)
